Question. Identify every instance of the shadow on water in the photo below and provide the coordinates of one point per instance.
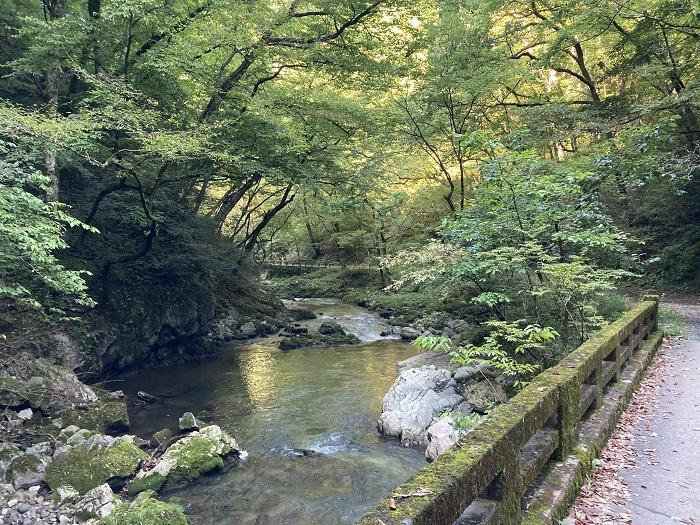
(325, 400)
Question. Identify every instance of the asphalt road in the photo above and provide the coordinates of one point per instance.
(668, 492)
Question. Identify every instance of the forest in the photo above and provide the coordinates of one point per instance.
(493, 179)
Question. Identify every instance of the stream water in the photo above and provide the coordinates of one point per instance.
(321, 399)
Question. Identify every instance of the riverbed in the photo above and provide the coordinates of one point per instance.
(322, 400)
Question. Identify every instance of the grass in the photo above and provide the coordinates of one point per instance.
(672, 323)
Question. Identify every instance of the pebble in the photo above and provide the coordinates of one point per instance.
(32, 507)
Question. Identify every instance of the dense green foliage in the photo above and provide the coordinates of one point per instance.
(31, 232)
(178, 131)
(516, 158)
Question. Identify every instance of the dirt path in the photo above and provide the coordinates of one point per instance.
(650, 468)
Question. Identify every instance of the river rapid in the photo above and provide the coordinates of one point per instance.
(321, 400)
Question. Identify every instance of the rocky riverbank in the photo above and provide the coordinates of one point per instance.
(66, 456)
(433, 406)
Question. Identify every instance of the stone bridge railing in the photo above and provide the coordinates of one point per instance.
(527, 461)
(301, 267)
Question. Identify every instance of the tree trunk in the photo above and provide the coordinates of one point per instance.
(53, 10)
(315, 244)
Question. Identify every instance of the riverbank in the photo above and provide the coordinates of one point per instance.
(409, 313)
(67, 457)
(307, 418)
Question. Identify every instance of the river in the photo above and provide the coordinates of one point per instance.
(321, 399)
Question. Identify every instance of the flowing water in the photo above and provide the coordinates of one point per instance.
(324, 400)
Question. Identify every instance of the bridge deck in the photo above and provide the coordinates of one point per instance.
(669, 492)
(664, 485)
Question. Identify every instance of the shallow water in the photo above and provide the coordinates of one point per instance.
(322, 399)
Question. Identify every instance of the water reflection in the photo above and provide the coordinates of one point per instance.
(259, 376)
(273, 402)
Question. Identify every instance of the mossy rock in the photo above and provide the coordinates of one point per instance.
(193, 456)
(188, 422)
(45, 386)
(26, 471)
(317, 340)
(146, 510)
(96, 461)
(108, 417)
(59, 384)
(15, 393)
(8, 454)
(301, 314)
(162, 436)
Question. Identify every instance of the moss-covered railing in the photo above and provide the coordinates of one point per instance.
(485, 477)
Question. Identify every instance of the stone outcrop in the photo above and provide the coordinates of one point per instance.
(425, 402)
(43, 386)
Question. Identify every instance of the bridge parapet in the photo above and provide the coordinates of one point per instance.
(526, 462)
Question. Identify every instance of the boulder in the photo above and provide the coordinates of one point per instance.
(409, 333)
(146, 397)
(188, 422)
(464, 409)
(330, 328)
(26, 414)
(28, 469)
(44, 386)
(162, 436)
(266, 328)
(61, 385)
(477, 371)
(85, 463)
(484, 395)
(416, 398)
(65, 494)
(448, 332)
(146, 510)
(8, 453)
(317, 340)
(97, 503)
(457, 325)
(301, 314)
(441, 435)
(189, 458)
(248, 329)
(15, 393)
(108, 417)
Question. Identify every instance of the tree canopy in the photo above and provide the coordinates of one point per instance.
(532, 152)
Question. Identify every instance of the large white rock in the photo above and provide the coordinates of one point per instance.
(441, 436)
(416, 398)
